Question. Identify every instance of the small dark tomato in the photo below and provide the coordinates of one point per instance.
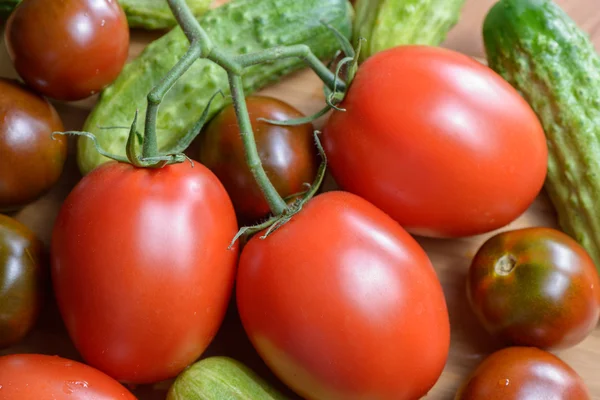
(523, 373)
(535, 287)
(288, 154)
(68, 49)
(21, 280)
(30, 160)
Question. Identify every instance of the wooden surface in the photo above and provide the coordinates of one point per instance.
(470, 344)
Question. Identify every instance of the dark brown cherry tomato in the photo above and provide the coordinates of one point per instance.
(535, 287)
(523, 373)
(30, 161)
(68, 49)
(21, 280)
(288, 154)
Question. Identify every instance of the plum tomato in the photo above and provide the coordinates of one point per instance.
(22, 277)
(31, 162)
(535, 287)
(141, 267)
(438, 141)
(342, 303)
(40, 376)
(288, 154)
(523, 373)
(68, 49)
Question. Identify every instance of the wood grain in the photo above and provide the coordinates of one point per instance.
(470, 344)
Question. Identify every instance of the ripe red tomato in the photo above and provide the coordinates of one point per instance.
(38, 376)
(535, 287)
(342, 303)
(30, 161)
(68, 49)
(438, 141)
(22, 273)
(288, 154)
(141, 267)
(523, 373)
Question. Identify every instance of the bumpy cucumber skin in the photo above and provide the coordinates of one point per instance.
(540, 50)
(241, 26)
(145, 14)
(156, 14)
(390, 23)
(219, 378)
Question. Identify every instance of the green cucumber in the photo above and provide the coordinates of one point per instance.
(240, 26)
(389, 23)
(146, 14)
(6, 7)
(220, 378)
(541, 52)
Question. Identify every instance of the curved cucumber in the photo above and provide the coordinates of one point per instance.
(241, 26)
(390, 23)
(146, 14)
(540, 50)
(219, 378)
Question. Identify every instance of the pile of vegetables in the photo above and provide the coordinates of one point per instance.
(160, 238)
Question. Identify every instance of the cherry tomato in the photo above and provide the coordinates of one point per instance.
(342, 303)
(438, 141)
(523, 373)
(141, 267)
(30, 161)
(535, 287)
(68, 49)
(39, 376)
(21, 280)
(288, 154)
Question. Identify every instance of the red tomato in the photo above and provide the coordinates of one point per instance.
(535, 287)
(38, 376)
(342, 303)
(438, 141)
(141, 267)
(523, 373)
(68, 49)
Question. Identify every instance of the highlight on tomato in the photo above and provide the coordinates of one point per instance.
(342, 303)
(535, 287)
(69, 49)
(420, 138)
(31, 162)
(41, 376)
(519, 373)
(141, 267)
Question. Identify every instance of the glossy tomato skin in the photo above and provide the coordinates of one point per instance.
(68, 49)
(438, 141)
(288, 154)
(39, 376)
(30, 161)
(141, 267)
(523, 373)
(342, 303)
(22, 277)
(535, 287)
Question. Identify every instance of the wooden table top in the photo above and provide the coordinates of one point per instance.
(451, 258)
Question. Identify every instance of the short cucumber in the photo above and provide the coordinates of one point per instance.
(540, 50)
(221, 378)
(240, 26)
(389, 23)
(146, 14)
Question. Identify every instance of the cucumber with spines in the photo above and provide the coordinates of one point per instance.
(541, 51)
(144, 14)
(389, 23)
(238, 27)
